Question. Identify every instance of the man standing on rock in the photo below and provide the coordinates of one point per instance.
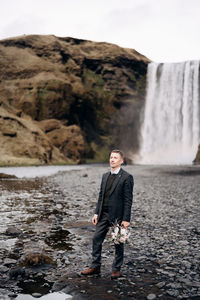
(114, 203)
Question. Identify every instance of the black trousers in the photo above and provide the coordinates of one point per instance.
(102, 228)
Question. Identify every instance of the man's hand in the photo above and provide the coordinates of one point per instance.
(94, 220)
(125, 224)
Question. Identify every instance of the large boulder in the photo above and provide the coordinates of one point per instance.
(68, 139)
(23, 142)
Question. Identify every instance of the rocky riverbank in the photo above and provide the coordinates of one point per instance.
(46, 235)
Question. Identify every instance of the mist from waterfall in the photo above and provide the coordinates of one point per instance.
(170, 133)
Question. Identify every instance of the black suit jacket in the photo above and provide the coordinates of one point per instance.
(120, 198)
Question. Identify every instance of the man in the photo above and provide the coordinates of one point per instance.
(114, 203)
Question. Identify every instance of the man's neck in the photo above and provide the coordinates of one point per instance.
(115, 170)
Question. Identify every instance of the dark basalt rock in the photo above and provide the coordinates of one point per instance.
(18, 271)
(197, 158)
(13, 231)
(6, 176)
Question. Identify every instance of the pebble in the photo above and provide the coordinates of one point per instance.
(36, 295)
(151, 297)
(13, 231)
(3, 269)
(161, 284)
(9, 261)
(173, 293)
(12, 295)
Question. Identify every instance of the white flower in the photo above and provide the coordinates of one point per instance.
(119, 234)
(123, 231)
(114, 235)
(122, 239)
(116, 230)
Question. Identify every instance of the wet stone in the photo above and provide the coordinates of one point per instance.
(13, 231)
(36, 295)
(18, 271)
(151, 297)
(9, 261)
(12, 296)
(173, 293)
(3, 269)
(160, 284)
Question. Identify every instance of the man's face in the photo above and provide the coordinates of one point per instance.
(115, 160)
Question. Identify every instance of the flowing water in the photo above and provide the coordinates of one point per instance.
(50, 296)
(171, 128)
(38, 171)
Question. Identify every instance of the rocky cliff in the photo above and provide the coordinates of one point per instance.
(197, 158)
(66, 100)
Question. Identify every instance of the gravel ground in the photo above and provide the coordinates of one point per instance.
(161, 258)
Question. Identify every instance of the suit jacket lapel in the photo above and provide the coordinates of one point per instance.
(119, 175)
(104, 183)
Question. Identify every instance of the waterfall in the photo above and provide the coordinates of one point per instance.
(170, 132)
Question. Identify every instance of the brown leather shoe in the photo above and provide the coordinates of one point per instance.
(91, 271)
(115, 274)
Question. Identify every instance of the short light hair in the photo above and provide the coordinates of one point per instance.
(119, 152)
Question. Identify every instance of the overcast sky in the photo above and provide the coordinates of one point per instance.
(162, 30)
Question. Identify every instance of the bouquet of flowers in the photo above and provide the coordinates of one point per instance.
(119, 234)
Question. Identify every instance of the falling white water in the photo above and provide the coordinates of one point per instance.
(171, 130)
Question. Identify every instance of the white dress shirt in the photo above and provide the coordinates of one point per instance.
(116, 171)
